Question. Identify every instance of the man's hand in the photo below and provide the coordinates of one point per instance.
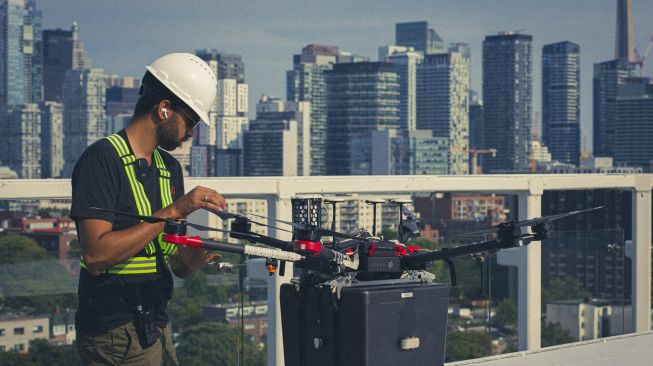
(199, 197)
(188, 260)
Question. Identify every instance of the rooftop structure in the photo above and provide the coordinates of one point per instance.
(632, 349)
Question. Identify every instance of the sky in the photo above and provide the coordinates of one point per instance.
(123, 36)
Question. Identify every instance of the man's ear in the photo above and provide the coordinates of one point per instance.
(163, 109)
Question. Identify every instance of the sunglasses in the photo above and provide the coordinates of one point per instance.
(190, 120)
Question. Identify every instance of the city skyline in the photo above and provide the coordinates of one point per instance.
(268, 34)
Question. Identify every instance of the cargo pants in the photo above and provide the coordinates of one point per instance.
(120, 346)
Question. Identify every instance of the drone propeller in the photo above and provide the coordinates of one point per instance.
(411, 224)
(530, 222)
(148, 219)
(539, 220)
(154, 220)
(224, 215)
(409, 214)
(305, 227)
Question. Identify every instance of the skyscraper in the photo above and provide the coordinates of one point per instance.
(427, 154)
(442, 104)
(634, 124)
(624, 47)
(51, 140)
(57, 59)
(608, 76)
(21, 59)
(362, 97)
(561, 101)
(507, 97)
(84, 98)
(21, 80)
(121, 97)
(273, 144)
(406, 63)
(232, 97)
(230, 65)
(62, 51)
(388, 152)
(307, 82)
(476, 122)
(419, 36)
(23, 136)
(80, 57)
(269, 110)
(221, 143)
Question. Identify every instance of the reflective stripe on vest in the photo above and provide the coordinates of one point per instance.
(140, 265)
(133, 265)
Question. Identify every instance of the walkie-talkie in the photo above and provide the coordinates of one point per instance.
(145, 327)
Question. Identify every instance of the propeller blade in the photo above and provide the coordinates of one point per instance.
(148, 219)
(539, 220)
(224, 215)
(328, 232)
(205, 228)
(407, 212)
(529, 222)
(305, 227)
(293, 224)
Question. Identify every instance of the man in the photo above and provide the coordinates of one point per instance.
(125, 281)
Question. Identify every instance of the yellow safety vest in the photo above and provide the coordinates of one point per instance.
(142, 264)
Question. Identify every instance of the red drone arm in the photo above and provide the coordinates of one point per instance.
(191, 241)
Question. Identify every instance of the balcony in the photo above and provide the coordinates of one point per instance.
(527, 190)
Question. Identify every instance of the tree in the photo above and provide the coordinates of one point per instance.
(563, 289)
(468, 274)
(553, 334)
(32, 280)
(506, 314)
(42, 353)
(13, 358)
(212, 343)
(185, 308)
(20, 249)
(465, 346)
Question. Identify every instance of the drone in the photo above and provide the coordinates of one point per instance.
(359, 299)
(362, 256)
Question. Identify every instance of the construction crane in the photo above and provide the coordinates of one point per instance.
(639, 59)
(474, 153)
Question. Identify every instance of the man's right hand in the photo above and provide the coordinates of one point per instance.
(198, 197)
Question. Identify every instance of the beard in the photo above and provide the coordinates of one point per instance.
(167, 135)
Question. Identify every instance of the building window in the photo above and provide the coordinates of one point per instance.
(19, 347)
(2, 332)
(37, 329)
(19, 331)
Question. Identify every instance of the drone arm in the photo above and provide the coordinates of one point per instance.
(266, 240)
(197, 242)
(409, 261)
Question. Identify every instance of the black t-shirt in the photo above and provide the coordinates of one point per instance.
(99, 180)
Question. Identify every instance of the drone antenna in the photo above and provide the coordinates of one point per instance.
(333, 202)
(401, 203)
(374, 202)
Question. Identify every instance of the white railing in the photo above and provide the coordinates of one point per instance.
(529, 189)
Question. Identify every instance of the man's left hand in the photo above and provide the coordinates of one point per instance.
(188, 260)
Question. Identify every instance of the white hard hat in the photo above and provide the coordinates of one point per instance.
(189, 78)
